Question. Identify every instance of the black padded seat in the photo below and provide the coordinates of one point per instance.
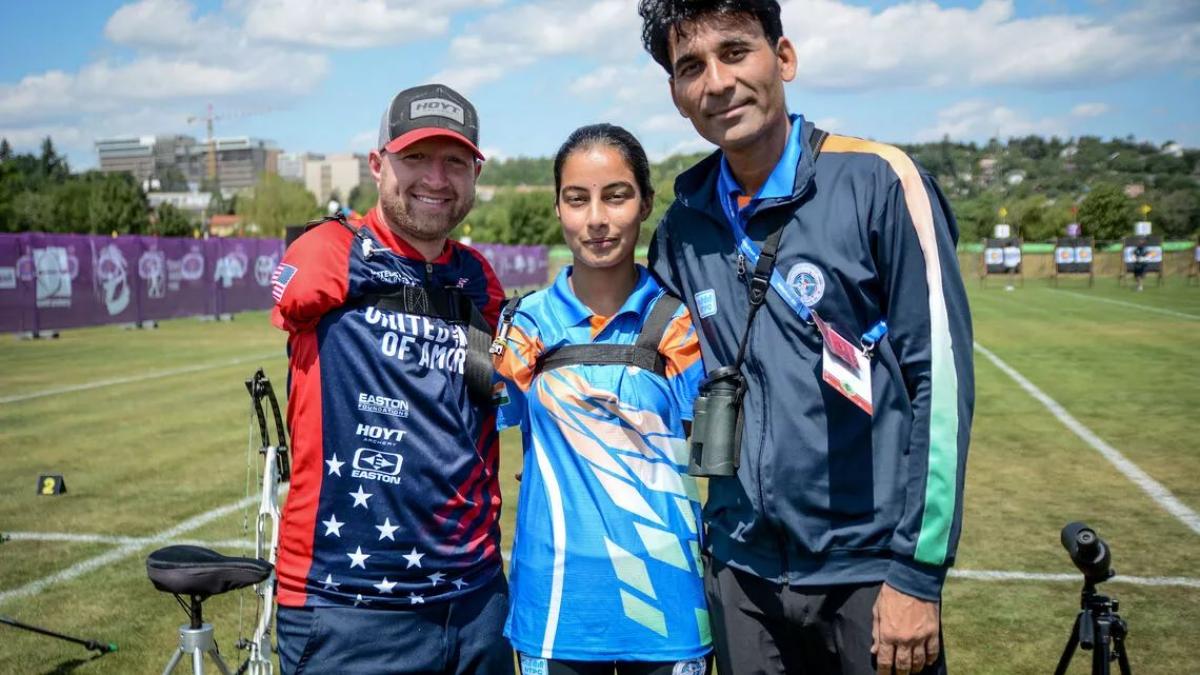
(195, 570)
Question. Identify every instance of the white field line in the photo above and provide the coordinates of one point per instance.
(997, 575)
(135, 378)
(1159, 310)
(125, 550)
(123, 541)
(1159, 493)
(970, 575)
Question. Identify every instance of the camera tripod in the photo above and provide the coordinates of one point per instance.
(1096, 624)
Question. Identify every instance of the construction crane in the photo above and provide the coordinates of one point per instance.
(209, 118)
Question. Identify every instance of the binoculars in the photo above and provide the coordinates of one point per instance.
(716, 444)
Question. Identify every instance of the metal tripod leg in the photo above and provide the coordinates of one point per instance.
(173, 662)
(197, 642)
(1064, 662)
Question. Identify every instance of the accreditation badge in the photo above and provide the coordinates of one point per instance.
(845, 367)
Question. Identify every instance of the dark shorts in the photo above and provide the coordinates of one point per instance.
(763, 628)
(456, 638)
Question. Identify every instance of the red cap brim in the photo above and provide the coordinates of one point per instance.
(404, 140)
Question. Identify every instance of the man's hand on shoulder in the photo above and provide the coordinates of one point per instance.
(905, 632)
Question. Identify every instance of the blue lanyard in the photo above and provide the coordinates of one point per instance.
(750, 251)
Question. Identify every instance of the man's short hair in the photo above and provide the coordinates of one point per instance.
(659, 17)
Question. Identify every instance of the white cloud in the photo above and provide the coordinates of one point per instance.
(108, 87)
(980, 119)
(364, 141)
(164, 24)
(697, 144)
(466, 78)
(518, 36)
(1089, 109)
(350, 24)
(666, 122)
(919, 43)
(832, 124)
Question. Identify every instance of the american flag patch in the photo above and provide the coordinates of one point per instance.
(279, 280)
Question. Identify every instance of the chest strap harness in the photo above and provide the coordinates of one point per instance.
(643, 353)
(448, 303)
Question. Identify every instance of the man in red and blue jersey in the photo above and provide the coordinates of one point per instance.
(389, 556)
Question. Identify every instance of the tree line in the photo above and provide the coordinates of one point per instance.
(1043, 184)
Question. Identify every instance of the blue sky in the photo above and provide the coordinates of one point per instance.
(315, 75)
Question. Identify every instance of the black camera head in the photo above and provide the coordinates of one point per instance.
(1088, 551)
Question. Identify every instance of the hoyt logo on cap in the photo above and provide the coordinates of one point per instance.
(429, 111)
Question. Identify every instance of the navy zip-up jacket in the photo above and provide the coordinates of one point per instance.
(826, 494)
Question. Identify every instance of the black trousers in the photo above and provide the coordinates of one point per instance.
(763, 628)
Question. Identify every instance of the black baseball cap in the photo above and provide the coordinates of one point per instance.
(428, 111)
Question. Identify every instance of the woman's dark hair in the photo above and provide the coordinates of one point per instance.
(614, 137)
(660, 16)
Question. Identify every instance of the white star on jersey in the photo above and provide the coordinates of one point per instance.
(335, 467)
(414, 558)
(416, 599)
(459, 583)
(359, 600)
(329, 583)
(358, 558)
(436, 578)
(385, 586)
(387, 529)
(360, 497)
(332, 526)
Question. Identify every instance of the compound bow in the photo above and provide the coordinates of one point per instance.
(276, 471)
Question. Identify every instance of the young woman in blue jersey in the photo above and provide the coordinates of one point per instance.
(606, 573)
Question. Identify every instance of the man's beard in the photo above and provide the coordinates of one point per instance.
(423, 228)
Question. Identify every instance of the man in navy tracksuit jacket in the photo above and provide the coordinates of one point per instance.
(831, 544)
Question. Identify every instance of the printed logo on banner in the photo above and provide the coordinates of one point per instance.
(230, 268)
(191, 265)
(8, 278)
(280, 280)
(152, 268)
(808, 282)
(53, 270)
(264, 265)
(110, 270)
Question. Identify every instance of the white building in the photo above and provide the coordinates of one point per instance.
(335, 173)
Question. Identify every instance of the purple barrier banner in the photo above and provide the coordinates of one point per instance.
(15, 313)
(54, 281)
(175, 276)
(517, 266)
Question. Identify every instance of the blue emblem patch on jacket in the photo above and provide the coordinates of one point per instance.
(706, 303)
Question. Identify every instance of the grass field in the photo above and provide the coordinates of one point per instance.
(143, 455)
